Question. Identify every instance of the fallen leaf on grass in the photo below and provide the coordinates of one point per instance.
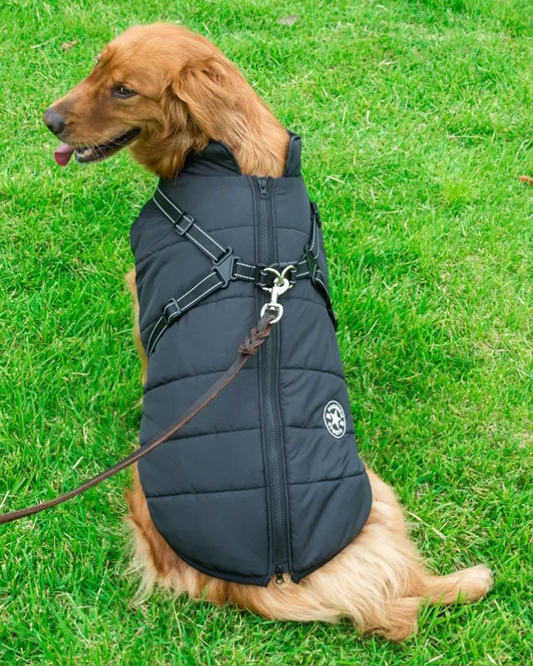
(68, 45)
(288, 20)
(526, 179)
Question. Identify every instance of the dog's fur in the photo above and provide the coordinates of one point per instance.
(188, 93)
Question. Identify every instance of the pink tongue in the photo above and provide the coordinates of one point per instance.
(63, 154)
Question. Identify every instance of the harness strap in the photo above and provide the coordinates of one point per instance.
(176, 307)
(311, 268)
(185, 225)
(227, 267)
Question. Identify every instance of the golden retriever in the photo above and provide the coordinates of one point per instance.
(164, 91)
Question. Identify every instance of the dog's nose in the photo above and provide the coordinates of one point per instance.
(54, 121)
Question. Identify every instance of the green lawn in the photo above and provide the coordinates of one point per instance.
(416, 117)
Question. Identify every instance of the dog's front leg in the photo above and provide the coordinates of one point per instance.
(132, 286)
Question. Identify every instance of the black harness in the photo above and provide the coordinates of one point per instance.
(227, 267)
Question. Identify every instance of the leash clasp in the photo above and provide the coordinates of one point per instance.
(280, 286)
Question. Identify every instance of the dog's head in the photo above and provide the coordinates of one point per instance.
(159, 89)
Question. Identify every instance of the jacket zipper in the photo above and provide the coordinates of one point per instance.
(273, 426)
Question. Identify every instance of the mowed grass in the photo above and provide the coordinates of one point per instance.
(416, 117)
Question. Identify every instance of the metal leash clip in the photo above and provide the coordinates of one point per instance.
(280, 286)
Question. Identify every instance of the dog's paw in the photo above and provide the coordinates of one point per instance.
(476, 582)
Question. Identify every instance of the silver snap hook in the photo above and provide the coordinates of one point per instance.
(280, 286)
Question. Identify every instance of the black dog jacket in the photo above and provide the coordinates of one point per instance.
(267, 479)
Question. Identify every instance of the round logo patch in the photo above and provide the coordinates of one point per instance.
(335, 419)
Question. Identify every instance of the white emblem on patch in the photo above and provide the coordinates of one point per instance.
(335, 419)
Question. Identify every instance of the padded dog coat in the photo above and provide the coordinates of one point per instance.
(266, 480)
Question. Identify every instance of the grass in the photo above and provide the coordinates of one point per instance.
(416, 119)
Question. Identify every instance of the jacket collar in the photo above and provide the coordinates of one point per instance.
(217, 159)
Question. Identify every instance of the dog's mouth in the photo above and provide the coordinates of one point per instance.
(96, 153)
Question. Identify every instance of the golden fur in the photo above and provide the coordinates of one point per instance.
(188, 93)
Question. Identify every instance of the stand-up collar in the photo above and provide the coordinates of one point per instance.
(217, 159)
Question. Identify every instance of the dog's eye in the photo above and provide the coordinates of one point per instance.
(123, 92)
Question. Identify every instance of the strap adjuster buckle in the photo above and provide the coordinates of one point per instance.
(189, 221)
(225, 266)
(171, 311)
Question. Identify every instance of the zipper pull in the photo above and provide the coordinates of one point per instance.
(263, 187)
(279, 574)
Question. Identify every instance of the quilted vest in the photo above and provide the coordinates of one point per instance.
(266, 481)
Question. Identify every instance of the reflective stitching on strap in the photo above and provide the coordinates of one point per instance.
(162, 210)
(195, 286)
(244, 277)
(315, 257)
(169, 201)
(241, 263)
(204, 294)
(187, 235)
(315, 236)
(319, 279)
(151, 349)
(149, 345)
(209, 237)
(193, 239)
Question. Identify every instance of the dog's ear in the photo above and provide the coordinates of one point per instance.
(217, 97)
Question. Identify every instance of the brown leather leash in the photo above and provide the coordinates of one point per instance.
(248, 348)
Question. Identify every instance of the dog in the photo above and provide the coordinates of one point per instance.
(164, 92)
